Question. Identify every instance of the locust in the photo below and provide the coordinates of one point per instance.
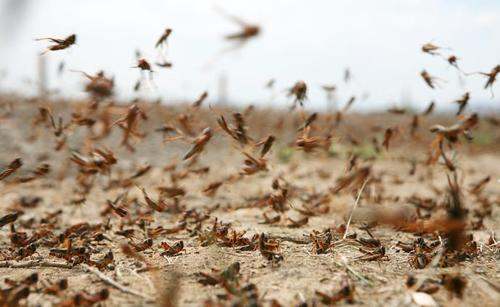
(58, 43)
(492, 77)
(199, 144)
(462, 102)
(299, 92)
(428, 79)
(129, 124)
(11, 168)
(163, 38)
(431, 49)
(248, 30)
(197, 103)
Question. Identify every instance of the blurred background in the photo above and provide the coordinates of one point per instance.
(315, 41)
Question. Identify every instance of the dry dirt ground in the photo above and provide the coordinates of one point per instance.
(309, 178)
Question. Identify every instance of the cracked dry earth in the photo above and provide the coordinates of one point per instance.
(296, 270)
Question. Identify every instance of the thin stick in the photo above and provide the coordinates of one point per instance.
(111, 282)
(354, 208)
(34, 263)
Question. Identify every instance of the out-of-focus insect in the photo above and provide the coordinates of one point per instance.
(172, 250)
(99, 86)
(142, 246)
(129, 125)
(299, 91)
(120, 211)
(158, 206)
(270, 83)
(253, 165)
(197, 103)
(59, 44)
(11, 168)
(9, 218)
(452, 133)
(452, 60)
(163, 38)
(455, 284)
(389, 133)
(144, 65)
(354, 179)
(349, 104)
(414, 125)
(429, 109)
(309, 120)
(429, 80)
(267, 144)
(462, 102)
(347, 75)
(212, 188)
(199, 143)
(477, 187)
(60, 68)
(247, 32)
(164, 64)
(492, 76)
(431, 49)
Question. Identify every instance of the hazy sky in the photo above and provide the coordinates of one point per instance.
(310, 40)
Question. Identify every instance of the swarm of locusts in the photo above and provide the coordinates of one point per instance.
(108, 203)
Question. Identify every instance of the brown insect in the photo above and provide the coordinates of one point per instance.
(389, 133)
(247, 32)
(299, 91)
(452, 60)
(99, 85)
(462, 102)
(144, 65)
(429, 80)
(59, 44)
(452, 133)
(164, 64)
(269, 248)
(197, 103)
(142, 246)
(158, 206)
(120, 211)
(455, 284)
(9, 218)
(163, 38)
(129, 125)
(349, 104)
(414, 126)
(354, 179)
(11, 168)
(429, 109)
(309, 143)
(172, 250)
(309, 120)
(199, 143)
(212, 188)
(492, 76)
(267, 144)
(253, 165)
(477, 187)
(431, 49)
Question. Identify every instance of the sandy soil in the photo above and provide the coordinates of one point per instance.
(308, 177)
